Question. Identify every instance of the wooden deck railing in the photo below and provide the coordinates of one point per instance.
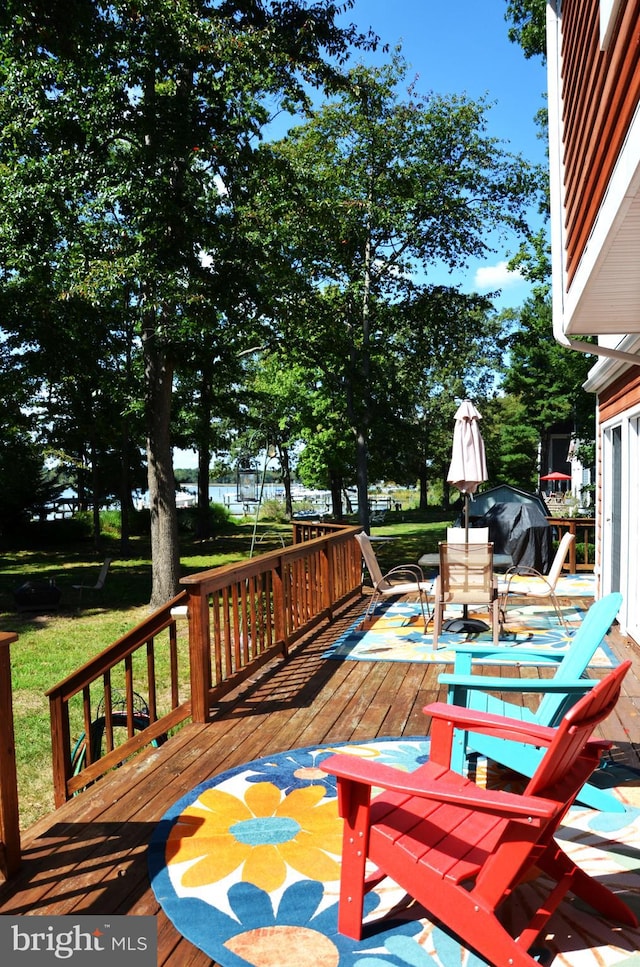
(239, 617)
(584, 531)
(9, 817)
(118, 692)
(243, 615)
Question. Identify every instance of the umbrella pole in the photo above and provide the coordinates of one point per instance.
(465, 607)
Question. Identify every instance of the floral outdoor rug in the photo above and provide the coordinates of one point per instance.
(247, 867)
(396, 633)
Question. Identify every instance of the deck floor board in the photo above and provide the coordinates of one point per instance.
(90, 855)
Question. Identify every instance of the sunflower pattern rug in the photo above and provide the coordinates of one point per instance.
(247, 867)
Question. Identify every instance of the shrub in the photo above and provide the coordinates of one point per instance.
(51, 533)
(219, 519)
(591, 551)
(273, 510)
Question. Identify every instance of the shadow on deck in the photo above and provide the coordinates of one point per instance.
(90, 855)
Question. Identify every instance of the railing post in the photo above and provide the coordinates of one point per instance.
(280, 623)
(199, 653)
(60, 747)
(328, 578)
(9, 813)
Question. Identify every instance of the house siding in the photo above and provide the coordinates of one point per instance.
(601, 91)
(621, 395)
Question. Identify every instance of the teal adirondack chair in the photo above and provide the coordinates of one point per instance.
(559, 694)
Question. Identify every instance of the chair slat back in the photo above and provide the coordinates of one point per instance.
(587, 639)
(561, 555)
(370, 559)
(475, 535)
(563, 769)
(102, 577)
(466, 569)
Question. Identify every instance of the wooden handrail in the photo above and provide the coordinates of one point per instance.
(92, 686)
(10, 857)
(243, 615)
(239, 617)
(583, 529)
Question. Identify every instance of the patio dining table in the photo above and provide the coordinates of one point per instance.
(501, 562)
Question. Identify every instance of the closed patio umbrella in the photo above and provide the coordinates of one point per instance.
(468, 468)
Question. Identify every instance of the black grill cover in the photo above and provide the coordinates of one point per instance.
(37, 596)
(522, 531)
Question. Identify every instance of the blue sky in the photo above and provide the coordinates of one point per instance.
(461, 46)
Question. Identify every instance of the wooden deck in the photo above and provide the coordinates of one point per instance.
(90, 855)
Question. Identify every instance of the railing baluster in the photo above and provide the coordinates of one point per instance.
(108, 710)
(9, 814)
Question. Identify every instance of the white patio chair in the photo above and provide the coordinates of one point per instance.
(98, 586)
(536, 585)
(403, 579)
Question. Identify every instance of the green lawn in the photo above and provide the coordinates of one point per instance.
(51, 646)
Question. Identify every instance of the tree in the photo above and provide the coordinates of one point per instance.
(545, 378)
(127, 133)
(528, 18)
(384, 187)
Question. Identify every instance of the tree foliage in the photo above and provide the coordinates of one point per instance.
(127, 134)
(528, 25)
(380, 185)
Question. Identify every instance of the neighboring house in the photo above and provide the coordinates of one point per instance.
(593, 52)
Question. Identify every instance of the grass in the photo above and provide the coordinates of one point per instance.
(51, 646)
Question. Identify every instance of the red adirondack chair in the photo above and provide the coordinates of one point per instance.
(460, 849)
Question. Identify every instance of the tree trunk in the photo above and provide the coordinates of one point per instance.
(285, 467)
(362, 429)
(95, 498)
(203, 523)
(362, 479)
(165, 558)
(335, 485)
(422, 483)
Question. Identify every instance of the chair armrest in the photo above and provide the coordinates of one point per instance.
(506, 652)
(448, 717)
(414, 570)
(523, 569)
(488, 683)
(524, 572)
(348, 768)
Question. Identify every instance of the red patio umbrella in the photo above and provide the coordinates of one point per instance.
(556, 475)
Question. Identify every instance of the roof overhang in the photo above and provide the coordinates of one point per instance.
(604, 296)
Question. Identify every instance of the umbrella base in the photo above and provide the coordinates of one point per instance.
(470, 626)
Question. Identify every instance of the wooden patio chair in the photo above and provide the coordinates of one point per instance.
(466, 577)
(461, 850)
(403, 579)
(536, 585)
(558, 694)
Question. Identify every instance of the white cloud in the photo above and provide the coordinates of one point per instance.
(496, 276)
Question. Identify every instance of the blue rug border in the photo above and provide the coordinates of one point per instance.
(382, 608)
